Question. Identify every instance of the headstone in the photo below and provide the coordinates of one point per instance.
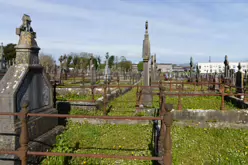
(226, 70)
(216, 86)
(25, 81)
(92, 71)
(147, 92)
(239, 80)
(107, 72)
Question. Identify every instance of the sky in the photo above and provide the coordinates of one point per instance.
(177, 29)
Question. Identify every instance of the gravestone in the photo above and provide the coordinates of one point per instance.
(226, 70)
(216, 81)
(239, 80)
(107, 72)
(92, 71)
(25, 81)
(147, 92)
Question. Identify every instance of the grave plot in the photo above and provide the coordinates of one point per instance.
(192, 145)
(131, 140)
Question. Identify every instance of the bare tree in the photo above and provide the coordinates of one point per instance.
(47, 61)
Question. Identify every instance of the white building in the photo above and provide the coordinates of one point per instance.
(218, 67)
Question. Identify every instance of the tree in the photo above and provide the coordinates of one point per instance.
(140, 66)
(47, 61)
(111, 60)
(75, 63)
(9, 51)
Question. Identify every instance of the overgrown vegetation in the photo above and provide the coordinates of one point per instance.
(190, 145)
(209, 146)
(103, 139)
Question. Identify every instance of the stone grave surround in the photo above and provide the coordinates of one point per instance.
(26, 80)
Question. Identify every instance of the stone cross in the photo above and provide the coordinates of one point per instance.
(27, 48)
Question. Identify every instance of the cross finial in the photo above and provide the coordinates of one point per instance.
(146, 25)
(239, 66)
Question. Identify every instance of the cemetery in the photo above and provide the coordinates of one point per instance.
(105, 116)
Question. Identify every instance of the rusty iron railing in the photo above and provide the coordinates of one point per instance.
(23, 153)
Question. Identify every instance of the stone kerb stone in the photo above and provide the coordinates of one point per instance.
(212, 118)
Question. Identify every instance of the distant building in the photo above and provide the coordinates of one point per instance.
(165, 67)
(135, 67)
(177, 68)
(218, 67)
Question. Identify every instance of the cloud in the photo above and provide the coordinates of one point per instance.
(177, 30)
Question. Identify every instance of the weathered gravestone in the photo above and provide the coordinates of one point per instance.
(216, 82)
(92, 71)
(147, 92)
(226, 70)
(239, 80)
(107, 72)
(26, 81)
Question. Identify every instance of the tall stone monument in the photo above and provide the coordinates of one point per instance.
(25, 81)
(152, 69)
(107, 73)
(147, 92)
(226, 70)
(239, 80)
(92, 71)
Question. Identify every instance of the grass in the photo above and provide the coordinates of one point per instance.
(190, 145)
(127, 108)
(197, 102)
(209, 146)
(132, 140)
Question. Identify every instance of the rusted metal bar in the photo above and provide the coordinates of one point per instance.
(54, 95)
(179, 105)
(92, 93)
(222, 97)
(167, 122)
(105, 99)
(94, 156)
(96, 117)
(24, 134)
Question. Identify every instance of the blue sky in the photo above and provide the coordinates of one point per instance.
(197, 28)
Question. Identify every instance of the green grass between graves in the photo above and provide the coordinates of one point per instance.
(193, 146)
(103, 139)
(190, 145)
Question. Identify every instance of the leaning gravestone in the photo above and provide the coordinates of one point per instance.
(26, 81)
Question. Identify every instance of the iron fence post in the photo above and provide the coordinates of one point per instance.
(167, 122)
(24, 134)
